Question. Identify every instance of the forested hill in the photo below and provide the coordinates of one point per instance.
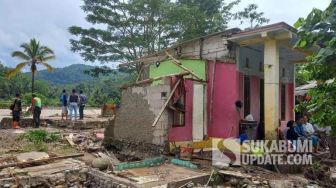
(72, 74)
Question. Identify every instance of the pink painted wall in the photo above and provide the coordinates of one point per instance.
(255, 97)
(184, 133)
(241, 91)
(224, 122)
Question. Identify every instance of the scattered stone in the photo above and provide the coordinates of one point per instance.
(100, 163)
(234, 181)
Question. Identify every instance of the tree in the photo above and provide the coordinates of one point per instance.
(318, 31)
(33, 54)
(250, 14)
(131, 29)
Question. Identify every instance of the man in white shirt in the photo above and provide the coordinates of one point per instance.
(308, 127)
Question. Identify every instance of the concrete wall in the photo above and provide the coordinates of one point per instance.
(134, 119)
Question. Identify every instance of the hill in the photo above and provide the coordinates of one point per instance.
(72, 74)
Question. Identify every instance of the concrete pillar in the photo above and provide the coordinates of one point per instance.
(271, 81)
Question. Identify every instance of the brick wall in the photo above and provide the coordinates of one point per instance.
(134, 119)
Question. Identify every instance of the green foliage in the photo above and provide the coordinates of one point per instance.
(302, 75)
(5, 104)
(33, 54)
(138, 27)
(250, 14)
(49, 86)
(318, 31)
(37, 136)
(37, 146)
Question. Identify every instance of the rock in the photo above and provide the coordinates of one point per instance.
(22, 157)
(256, 182)
(246, 181)
(233, 181)
(100, 163)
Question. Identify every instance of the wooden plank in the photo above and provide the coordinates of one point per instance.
(212, 88)
(166, 103)
(40, 161)
(69, 139)
(179, 64)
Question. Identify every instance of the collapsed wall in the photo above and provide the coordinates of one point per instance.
(78, 177)
(138, 109)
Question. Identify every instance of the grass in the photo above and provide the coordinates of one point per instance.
(42, 136)
(39, 140)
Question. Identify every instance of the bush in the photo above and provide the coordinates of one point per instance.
(36, 136)
(5, 104)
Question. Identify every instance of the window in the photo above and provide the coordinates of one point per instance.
(163, 95)
(262, 98)
(261, 66)
(247, 94)
(247, 63)
(283, 101)
(179, 112)
(283, 73)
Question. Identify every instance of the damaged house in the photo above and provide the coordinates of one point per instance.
(188, 92)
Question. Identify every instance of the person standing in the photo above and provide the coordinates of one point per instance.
(64, 101)
(82, 103)
(74, 100)
(16, 111)
(37, 107)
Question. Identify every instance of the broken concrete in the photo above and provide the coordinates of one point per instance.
(29, 156)
(139, 107)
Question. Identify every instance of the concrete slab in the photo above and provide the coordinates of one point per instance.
(30, 156)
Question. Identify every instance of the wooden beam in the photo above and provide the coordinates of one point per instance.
(27, 163)
(150, 80)
(213, 71)
(179, 64)
(166, 103)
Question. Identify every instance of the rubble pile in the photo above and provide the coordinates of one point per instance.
(130, 150)
(88, 141)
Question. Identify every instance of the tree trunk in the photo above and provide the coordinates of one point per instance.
(33, 78)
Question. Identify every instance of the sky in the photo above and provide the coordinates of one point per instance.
(49, 20)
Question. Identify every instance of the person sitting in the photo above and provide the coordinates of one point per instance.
(308, 127)
(299, 129)
(291, 135)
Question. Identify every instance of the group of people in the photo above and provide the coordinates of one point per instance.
(72, 103)
(16, 108)
(69, 103)
(301, 129)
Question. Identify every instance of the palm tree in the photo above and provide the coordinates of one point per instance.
(33, 54)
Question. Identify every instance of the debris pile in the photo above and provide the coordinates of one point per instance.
(88, 141)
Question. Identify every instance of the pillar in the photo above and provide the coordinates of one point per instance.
(271, 84)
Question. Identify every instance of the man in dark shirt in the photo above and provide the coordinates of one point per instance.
(64, 101)
(82, 103)
(74, 100)
(16, 111)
